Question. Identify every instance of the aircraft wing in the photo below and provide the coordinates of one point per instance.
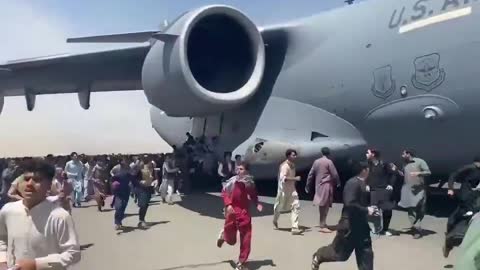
(110, 70)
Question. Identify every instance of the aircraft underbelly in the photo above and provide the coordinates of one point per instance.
(291, 124)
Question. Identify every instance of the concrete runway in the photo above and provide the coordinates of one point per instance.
(183, 236)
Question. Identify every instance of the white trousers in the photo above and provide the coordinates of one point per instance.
(166, 190)
(287, 201)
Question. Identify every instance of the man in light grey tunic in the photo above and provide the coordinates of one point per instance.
(413, 196)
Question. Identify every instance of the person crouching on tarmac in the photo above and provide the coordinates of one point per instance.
(353, 230)
(237, 193)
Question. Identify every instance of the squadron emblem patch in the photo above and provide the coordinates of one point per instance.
(428, 74)
(383, 83)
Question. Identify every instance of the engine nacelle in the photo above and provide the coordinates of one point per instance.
(212, 59)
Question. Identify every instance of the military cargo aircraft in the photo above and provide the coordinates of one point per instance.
(387, 74)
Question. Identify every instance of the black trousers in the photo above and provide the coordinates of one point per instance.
(120, 204)
(144, 196)
(387, 217)
(457, 226)
(343, 245)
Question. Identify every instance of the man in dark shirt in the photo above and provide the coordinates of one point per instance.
(468, 203)
(123, 177)
(353, 231)
(380, 182)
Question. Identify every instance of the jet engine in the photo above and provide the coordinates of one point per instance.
(207, 61)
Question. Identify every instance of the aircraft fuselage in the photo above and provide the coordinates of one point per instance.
(402, 73)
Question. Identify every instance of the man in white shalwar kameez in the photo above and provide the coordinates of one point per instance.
(88, 179)
(287, 196)
(75, 171)
(36, 234)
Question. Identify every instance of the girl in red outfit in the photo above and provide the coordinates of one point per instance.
(237, 193)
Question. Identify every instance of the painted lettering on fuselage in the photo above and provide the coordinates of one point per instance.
(423, 9)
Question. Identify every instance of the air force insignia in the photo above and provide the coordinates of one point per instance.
(383, 84)
(428, 74)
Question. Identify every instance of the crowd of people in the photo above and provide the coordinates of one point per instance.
(45, 190)
(369, 199)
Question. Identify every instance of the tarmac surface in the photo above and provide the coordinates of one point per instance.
(183, 236)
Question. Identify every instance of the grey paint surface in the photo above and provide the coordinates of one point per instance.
(338, 75)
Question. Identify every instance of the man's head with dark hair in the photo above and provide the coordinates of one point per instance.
(238, 158)
(243, 168)
(38, 176)
(39, 167)
(291, 155)
(124, 161)
(11, 163)
(290, 152)
(169, 156)
(408, 155)
(74, 156)
(373, 154)
(360, 169)
(227, 155)
(326, 151)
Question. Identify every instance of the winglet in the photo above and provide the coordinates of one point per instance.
(135, 37)
(165, 37)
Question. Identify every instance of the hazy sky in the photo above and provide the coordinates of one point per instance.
(58, 124)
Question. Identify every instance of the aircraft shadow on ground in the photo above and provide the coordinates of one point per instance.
(129, 229)
(211, 206)
(252, 265)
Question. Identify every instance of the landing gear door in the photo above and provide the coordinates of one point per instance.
(208, 126)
